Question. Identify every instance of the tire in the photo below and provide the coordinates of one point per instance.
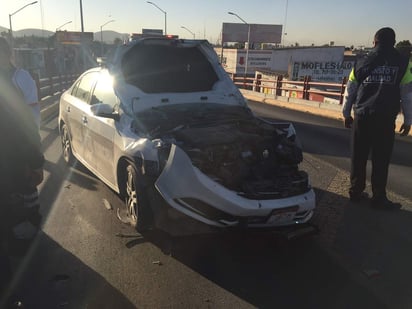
(137, 201)
(67, 146)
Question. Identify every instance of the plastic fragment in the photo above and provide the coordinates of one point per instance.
(107, 204)
(121, 235)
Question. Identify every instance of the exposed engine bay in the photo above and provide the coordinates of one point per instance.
(244, 154)
(255, 162)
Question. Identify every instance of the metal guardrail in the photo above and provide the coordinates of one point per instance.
(305, 89)
(50, 85)
(49, 89)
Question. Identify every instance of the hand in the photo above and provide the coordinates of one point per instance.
(35, 177)
(348, 122)
(404, 130)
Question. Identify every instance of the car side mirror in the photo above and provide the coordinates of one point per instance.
(104, 110)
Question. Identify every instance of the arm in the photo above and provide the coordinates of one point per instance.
(28, 87)
(406, 101)
(349, 99)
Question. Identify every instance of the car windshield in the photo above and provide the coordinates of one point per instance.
(162, 119)
(168, 68)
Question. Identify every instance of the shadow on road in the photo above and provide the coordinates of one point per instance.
(268, 271)
(40, 282)
(259, 268)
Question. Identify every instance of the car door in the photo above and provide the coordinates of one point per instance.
(101, 130)
(76, 109)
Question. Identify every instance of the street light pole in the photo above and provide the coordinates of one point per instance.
(164, 12)
(63, 25)
(248, 40)
(101, 34)
(11, 28)
(194, 36)
(284, 25)
(81, 15)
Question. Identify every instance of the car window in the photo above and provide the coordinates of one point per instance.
(103, 92)
(84, 87)
(75, 88)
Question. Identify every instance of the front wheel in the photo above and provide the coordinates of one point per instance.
(66, 145)
(137, 201)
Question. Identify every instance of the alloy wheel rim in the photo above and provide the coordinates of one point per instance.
(66, 145)
(131, 197)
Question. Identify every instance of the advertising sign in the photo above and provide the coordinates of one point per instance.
(152, 32)
(259, 33)
(322, 71)
(72, 37)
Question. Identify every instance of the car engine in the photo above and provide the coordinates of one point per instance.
(250, 157)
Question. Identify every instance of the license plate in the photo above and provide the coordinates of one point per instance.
(283, 215)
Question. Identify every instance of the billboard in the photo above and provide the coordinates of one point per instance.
(73, 37)
(152, 31)
(259, 33)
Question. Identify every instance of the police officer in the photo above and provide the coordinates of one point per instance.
(379, 85)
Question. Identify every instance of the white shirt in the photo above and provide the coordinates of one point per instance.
(23, 80)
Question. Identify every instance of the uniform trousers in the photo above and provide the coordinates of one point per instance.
(372, 135)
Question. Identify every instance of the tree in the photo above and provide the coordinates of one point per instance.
(404, 43)
(117, 41)
(405, 48)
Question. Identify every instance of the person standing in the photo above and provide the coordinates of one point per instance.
(21, 78)
(26, 85)
(379, 86)
(21, 166)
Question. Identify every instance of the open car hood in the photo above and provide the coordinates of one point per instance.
(155, 72)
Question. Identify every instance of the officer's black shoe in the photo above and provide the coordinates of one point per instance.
(385, 204)
(358, 196)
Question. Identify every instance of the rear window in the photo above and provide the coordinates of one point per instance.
(168, 68)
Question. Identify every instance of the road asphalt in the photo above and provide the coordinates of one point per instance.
(373, 245)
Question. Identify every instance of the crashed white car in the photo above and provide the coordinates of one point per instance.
(163, 125)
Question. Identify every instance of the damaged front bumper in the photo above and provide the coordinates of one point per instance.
(189, 191)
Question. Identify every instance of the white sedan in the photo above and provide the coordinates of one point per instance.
(164, 126)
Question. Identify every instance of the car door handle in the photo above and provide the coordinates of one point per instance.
(68, 109)
(84, 119)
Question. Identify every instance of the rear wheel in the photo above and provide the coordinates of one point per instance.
(137, 201)
(66, 145)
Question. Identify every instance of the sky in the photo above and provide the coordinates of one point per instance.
(345, 22)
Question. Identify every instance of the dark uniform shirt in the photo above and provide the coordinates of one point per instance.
(374, 84)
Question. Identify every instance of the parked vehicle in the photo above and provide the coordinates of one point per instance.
(163, 121)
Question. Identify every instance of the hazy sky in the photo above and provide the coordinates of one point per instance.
(346, 22)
